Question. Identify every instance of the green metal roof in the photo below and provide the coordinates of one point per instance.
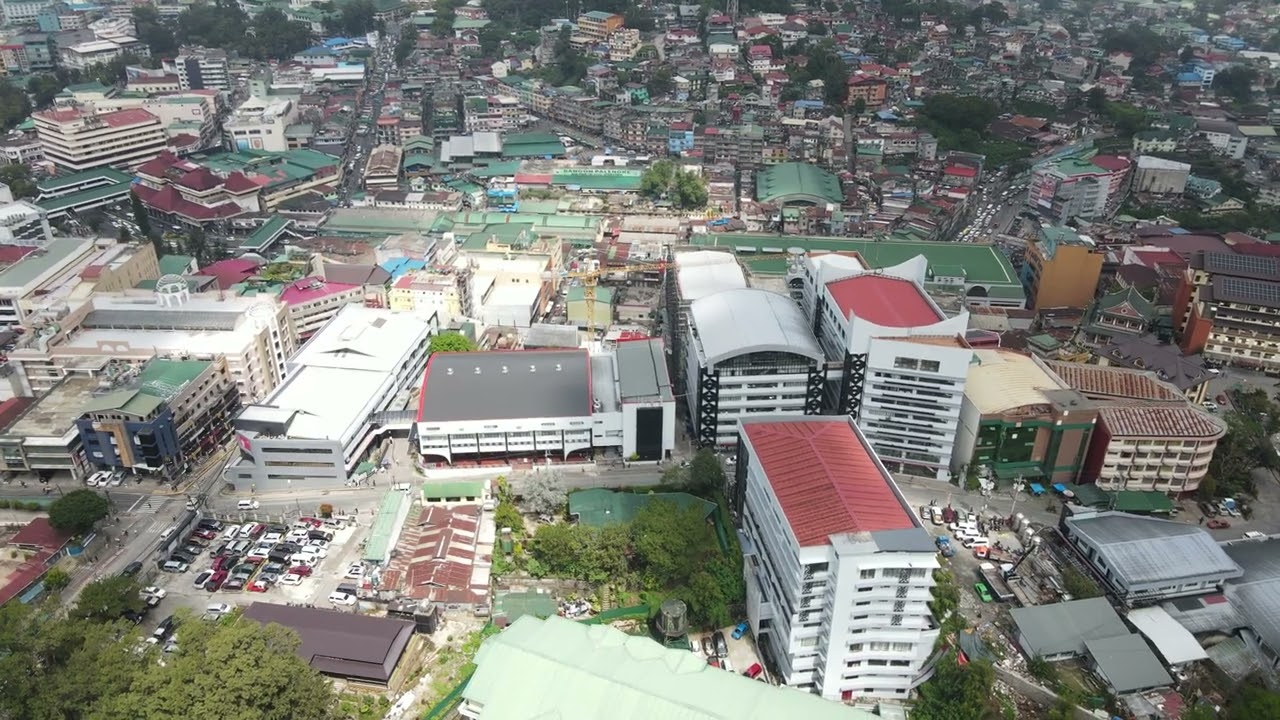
(129, 402)
(270, 231)
(611, 179)
(597, 671)
(1145, 501)
(787, 182)
(164, 378)
(514, 605)
(175, 264)
(983, 264)
(378, 545)
(598, 507)
(99, 174)
(83, 197)
(453, 490)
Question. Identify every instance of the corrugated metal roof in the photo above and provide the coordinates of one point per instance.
(736, 322)
(1143, 550)
(1127, 663)
(1175, 643)
(377, 547)
(885, 301)
(1100, 381)
(570, 671)
(1065, 627)
(826, 478)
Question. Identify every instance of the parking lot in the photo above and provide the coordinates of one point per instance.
(306, 561)
(741, 652)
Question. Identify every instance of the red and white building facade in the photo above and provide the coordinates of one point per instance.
(179, 191)
(76, 139)
(838, 568)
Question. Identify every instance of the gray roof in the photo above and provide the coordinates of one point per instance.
(341, 643)
(642, 371)
(535, 384)
(904, 540)
(1065, 627)
(1128, 663)
(1141, 550)
(1256, 595)
(356, 274)
(542, 335)
(41, 261)
(151, 317)
(736, 322)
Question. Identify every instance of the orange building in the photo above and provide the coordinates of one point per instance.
(1061, 270)
(595, 27)
(870, 90)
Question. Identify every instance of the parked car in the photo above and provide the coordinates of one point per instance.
(205, 534)
(132, 569)
(707, 647)
(713, 661)
(182, 555)
(356, 571)
(984, 594)
(741, 630)
(291, 579)
(300, 570)
(1218, 524)
(165, 627)
(272, 537)
(209, 524)
(234, 584)
(341, 598)
(754, 671)
(217, 609)
(153, 591)
(201, 579)
(216, 580)
(174, 566)
(722, 648)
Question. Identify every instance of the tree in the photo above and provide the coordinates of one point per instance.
(1187, 55)
(639, 18)
(78, 511)
(706, 476)
(684, 189)
(1079, 585)
(1236, 82)
(1253, 700)
(450, 342)
(18, 178)
(43, 88)
(108, 599)
(544, 493)
(140, 216)
(124, 235)
(256, 665)
(955, 692)
(671, 543)
(14, 105)
(196, 244)
(661, 83)
(407, 43)
(154, 31)
(56, 579)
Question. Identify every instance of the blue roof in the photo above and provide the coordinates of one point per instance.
(317, 50)
(886, 115)
(399, 266)
(1188, 77)
(810, 104)
(336, 42)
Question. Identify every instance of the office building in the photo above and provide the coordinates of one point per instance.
(260, 123)
(314, 301)
(1061, 269)
(838, 568)
(200, 68)
(1078, 185)
(1228, 307)
(76, 139)
(21, 222)
(902, 361)
(748, 351)
(342, 392)
(1158, 176)
(160, 419)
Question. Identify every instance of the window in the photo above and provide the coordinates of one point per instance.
(868, 574)
(906, 363)
(932, 366)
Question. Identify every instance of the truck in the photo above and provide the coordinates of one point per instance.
(995, 579)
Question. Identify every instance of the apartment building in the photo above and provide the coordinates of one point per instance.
(1228, 307)
(26, 281)
(260, 123)
(748, 351)
(382, 170)
(158, 419)
(202, 69)
(82, 56)
(314, 301)
(76, 139)
(838, 568)
(1061, 269)
(902, 361)
(1147, 435)
(1078, 186)
(22, 12)
(427, 293)
(254, 334)
(595, 27)
(1224, 137)
(319, 424)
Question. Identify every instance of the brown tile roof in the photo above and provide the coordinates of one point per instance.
(1098, 382)
(1161, 421)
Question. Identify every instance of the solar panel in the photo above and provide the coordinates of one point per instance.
(1254, 292)
(1245, 265)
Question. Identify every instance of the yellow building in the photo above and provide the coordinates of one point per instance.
(1061, 269)
(425, 293)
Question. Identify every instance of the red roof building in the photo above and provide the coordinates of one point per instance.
(39, 546)
(883, 300)
(444, 556)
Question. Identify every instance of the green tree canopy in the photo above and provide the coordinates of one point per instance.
(684, 189)
(19, 180)
(1236, 82)
(1253, 700)
(450, 342)
(108, 599)
(955, 692)
(14, 105)
(78, 511)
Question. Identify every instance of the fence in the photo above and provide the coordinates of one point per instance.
(441, 710)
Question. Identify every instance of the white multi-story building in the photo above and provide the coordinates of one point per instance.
(748, 351)
(838, 568)
(202, 69)
(259, 124)
(95, 52)
(77, 139)
(21, 222)
(22, 12)
(904, 361)
(346, 388)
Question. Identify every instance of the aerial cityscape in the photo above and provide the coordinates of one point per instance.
(743, 360)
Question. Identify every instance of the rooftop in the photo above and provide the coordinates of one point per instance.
(55, 412)
(1127, 663)
(571, 671)
(30, 268)
(1162, 421)
(798, 182)
(1065, 627)
(826, 478)
(342, 644)
(885, 301)
(642, 371)
(516, 384)
(735, 322)
(705, 272)
(1002, 380)
(1098, 381)
(1257, 593)
(1143, 550)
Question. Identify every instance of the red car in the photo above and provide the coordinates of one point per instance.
(713, 662)
(303, 570)
(205, 534)
(1216, 524)
(311, 521)
(258, 586)
(754, 671)
(215, 582)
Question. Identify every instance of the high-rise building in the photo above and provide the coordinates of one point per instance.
(1082, 186)
(838, 568)
(76, 138)
(202, 69)
(1061, 269)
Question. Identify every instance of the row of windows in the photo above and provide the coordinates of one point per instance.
(907, 363)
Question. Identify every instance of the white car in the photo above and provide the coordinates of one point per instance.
(312, 550)
(291, 579)
(355, 572)
(341, 598)
(260, 552)
(272, 538)
(153, 591)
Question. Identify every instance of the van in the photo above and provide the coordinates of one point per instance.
(174, 566)
(976, 540)
(168, 532)
(248, 505)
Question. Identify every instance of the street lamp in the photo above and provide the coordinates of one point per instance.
(1018, 484)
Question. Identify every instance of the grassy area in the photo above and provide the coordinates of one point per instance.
(453, 665)
(358, 706)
